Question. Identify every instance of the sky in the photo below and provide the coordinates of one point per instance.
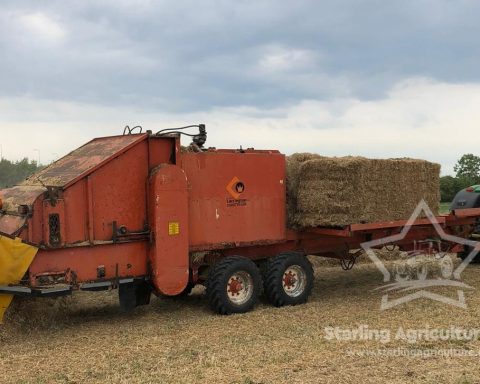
(370, 78)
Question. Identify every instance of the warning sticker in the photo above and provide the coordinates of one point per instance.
(173, 228)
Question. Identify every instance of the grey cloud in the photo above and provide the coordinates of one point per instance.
(189, 55)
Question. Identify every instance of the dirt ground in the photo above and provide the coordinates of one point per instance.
(87, 340)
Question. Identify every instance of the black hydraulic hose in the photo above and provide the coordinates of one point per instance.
(177, 132)
(130, 130)
(177, 129)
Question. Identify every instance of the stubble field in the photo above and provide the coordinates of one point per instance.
(85, 339)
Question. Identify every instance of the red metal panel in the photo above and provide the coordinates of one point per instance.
(161, 151)
(119, 193)
(119, 260)
(76, 213)
(220, 214)
(84, 160)
(169, 256)
(34, 233)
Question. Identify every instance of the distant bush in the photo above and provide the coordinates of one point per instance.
(467, 171)
(450, 186)
(12, 173)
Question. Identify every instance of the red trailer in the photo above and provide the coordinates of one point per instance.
(140, 213)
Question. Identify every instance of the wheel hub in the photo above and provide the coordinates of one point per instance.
(240, 287)
(289, 280)
(235, 286)
(294, 281)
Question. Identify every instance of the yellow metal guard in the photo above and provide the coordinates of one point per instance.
(15, 258)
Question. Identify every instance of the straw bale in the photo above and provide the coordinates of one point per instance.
(336, 191)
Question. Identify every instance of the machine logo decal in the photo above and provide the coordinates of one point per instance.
(412, 278)
(235, 188)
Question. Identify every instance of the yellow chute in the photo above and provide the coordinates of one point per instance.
(15, 258)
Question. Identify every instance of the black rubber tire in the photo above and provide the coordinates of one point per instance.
(273, 279)
(218, 279)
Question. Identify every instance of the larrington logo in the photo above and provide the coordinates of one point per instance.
(236, 188)
(411, 279)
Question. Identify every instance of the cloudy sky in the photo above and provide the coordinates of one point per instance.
(373, 78)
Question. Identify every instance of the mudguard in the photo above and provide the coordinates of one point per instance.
(169, 257)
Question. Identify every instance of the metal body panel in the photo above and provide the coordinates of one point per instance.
(76, 213)
(219, 214)
(119, 193)
(169, 257)
(81, 264)
(83, 161)
(162, 151)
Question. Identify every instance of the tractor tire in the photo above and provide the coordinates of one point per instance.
(288, 279)
(234, 285)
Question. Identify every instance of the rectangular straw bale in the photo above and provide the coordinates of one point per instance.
(337, 191)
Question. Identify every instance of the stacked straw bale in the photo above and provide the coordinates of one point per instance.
(337, 191)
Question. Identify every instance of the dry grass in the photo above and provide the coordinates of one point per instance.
(181, 341)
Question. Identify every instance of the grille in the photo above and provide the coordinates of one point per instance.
(54, 227)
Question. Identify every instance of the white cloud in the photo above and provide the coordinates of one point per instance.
(279, 59)
(419, 118)
(43, 27)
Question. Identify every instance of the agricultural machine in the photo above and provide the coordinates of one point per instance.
(468, 199)
(140, 213)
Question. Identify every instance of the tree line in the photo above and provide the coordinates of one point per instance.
(467, 173)
(12, 173)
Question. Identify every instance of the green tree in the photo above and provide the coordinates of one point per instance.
(12, 173)
(468, 167)
(450, 186)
